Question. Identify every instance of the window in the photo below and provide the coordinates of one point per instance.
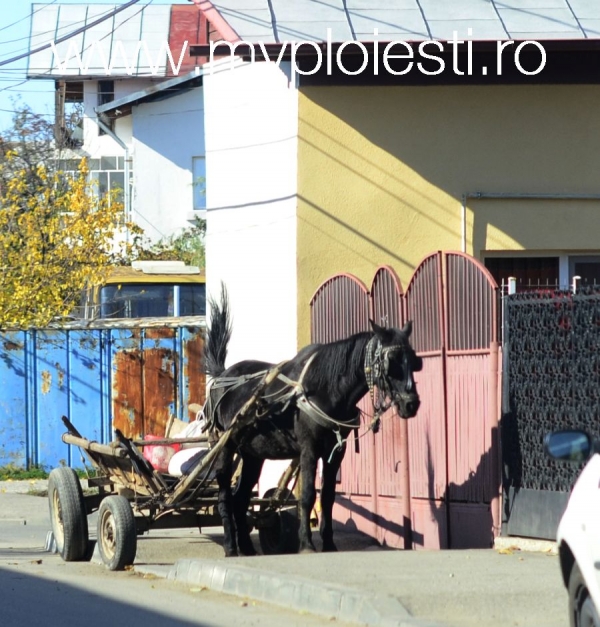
(545, 272)
(109, 172)
(106, 94)
(145, 300)
(530, 272)
(68, 114)
(192, 300)
(199, 182)
(587, 267)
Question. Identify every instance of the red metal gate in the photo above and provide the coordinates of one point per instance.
(432, 481)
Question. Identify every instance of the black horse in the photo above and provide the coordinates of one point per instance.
(306, 413)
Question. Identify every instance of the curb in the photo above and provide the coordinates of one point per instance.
(292, 592)
(525, 544)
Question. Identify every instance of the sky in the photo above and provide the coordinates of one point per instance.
(15, 22)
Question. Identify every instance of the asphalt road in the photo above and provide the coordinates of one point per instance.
(40, 590)
(469, 588)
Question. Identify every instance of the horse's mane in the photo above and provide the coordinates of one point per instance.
(218, 335)
(337, 359)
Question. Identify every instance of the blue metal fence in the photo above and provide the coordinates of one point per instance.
(131, 377)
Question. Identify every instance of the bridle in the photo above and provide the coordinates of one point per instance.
(377, 364)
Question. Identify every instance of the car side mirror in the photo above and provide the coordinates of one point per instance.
(569, 445)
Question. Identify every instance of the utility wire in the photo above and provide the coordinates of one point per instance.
(12, 87)
(78, 31)
(26, 18)
(47, 32)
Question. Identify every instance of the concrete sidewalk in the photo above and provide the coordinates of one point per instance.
(471, 588)
(361, 584)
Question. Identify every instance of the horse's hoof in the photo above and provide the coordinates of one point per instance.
(248, 551)
(307, 549)
(329, 548)
(231, 553)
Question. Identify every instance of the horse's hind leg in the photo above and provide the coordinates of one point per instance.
(330, 470)
(251, 468)
(225, 501)
(308, 470)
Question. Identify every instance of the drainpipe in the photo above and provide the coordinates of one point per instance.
(511, 196)
(127, 190)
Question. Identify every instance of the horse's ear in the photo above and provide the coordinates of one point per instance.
(376, 328)
(407, 329)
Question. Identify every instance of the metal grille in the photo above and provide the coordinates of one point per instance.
(423, 305)
(339, 309)
(472, 304)
(553, 341)
(386, 298)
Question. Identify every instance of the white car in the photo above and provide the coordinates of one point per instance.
(578, 534)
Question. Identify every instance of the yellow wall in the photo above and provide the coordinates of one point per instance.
(382, 171)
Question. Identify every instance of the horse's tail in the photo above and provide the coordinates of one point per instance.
(218, 335)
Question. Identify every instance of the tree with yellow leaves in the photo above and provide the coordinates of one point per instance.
(57, 236)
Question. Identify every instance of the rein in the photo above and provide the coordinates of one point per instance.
(376, 366)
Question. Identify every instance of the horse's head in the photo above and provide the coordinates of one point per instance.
(390, 364)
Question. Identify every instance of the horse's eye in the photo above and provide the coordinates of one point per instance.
(395, 370)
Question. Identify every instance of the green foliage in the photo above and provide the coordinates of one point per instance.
(57, 235)
(12, 473)
(187, 246)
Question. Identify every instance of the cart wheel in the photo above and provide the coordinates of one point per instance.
(117, 534)
(281, 536)
(67, 514)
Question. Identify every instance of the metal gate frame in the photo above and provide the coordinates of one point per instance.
(445, 493)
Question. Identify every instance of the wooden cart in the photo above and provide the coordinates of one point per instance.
(132, 497)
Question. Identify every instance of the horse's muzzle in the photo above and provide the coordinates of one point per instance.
(407, 405)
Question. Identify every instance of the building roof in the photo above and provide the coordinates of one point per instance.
(130, 43)
(408, 20)
(161, 91)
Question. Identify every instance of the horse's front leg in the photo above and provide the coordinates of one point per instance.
(330, 470)
(308, 471)
(224, 501)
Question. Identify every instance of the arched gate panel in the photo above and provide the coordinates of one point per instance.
(453, 468)
(339, 308)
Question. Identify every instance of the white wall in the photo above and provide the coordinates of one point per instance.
(251, 117)
(166, 135)
(103, 145)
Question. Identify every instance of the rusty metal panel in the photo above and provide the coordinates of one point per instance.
(127, 382)
(339, 309)
(132, 378)
(192, 385)
(158, 371)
